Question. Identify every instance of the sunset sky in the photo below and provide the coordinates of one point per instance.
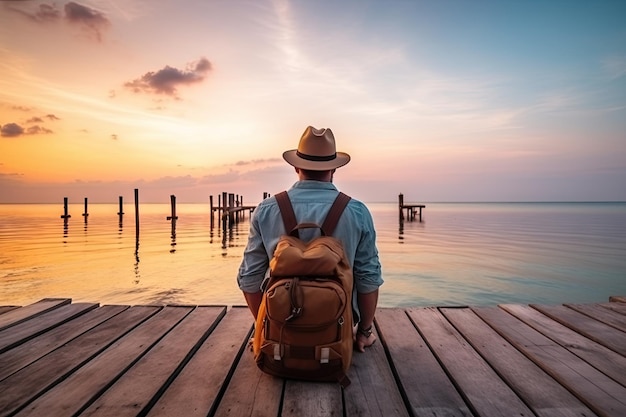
(438, 100)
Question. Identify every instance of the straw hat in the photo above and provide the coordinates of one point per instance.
(316, 151)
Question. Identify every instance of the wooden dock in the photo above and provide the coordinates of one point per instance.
(59, 358)
(412, 210)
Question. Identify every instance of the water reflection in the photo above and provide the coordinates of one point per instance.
(65, 230)
(173, 242)
(136, 264)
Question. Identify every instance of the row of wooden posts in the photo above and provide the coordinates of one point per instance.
(229, 208)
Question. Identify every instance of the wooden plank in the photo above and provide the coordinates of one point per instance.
(593, 329)
(22, 332)
(138, 365)
(198, 387)
(251, 393)
(601, 314)
(34, 349)
(30, 382)
(422, 382)
(602, 358)
(19, 315)
(4, 309)
(617, 299)
(617, 307)
(600, 393)
(538, 390)
(312, 399)
(486, 393)
(373, 391)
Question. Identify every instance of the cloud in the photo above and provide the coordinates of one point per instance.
(36, 130)
(11, 130)
(21, 108)
(258, 161)
(52, 117)
(91, 20)
(35, 120)
(167, 80)
(45, 13)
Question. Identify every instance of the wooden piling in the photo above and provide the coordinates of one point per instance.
(173, 203)
(85, 213)
(211, 210)
(121, 212)
(231, 205)
(137, 212)
(65, 214)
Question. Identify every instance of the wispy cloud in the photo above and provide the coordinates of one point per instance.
(28, 88)
(615, 66)
(91, 21)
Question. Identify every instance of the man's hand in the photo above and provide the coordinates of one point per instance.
(362, 341)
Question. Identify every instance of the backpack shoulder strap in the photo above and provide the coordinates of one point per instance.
(286, 212)
(332, 218)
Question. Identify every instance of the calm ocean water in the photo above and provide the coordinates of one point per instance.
(461, 254)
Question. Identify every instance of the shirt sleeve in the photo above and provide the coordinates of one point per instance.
(255, 261)
(367, 269)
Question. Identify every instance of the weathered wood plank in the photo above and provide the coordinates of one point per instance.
(4, 309)
(481, 386)
(617, 299)
(170, 344)
(251, 393)
(538, 390)
(591, 328)
(600, 393)
(24, 331)
(34, 349)
(30, 382)
(617, 307)
(601, 314)
(602, 358)
(197, 388)
(312, 399)
(18, 315)
(373, 391)
(421, 380)
(85, 384)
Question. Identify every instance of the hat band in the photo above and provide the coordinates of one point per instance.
(315, 157)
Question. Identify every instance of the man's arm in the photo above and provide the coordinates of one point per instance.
(254, 301)
(367, 307)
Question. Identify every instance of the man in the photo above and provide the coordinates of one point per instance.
(315, 162)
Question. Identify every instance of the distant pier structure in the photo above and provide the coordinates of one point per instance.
(412, 210)
(229, 207)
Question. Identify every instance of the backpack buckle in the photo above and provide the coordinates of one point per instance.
(295, 312)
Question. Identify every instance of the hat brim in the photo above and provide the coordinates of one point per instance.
(293, 159)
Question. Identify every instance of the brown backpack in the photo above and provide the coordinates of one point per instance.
(304, 325)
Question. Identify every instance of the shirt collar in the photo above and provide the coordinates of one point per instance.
(318, 185)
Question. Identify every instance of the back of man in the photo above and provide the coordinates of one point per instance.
(315, 162)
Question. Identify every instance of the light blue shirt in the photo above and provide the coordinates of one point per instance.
(311, 201)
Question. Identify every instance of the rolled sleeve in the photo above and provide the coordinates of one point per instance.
(255, 261)
(367, 270)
